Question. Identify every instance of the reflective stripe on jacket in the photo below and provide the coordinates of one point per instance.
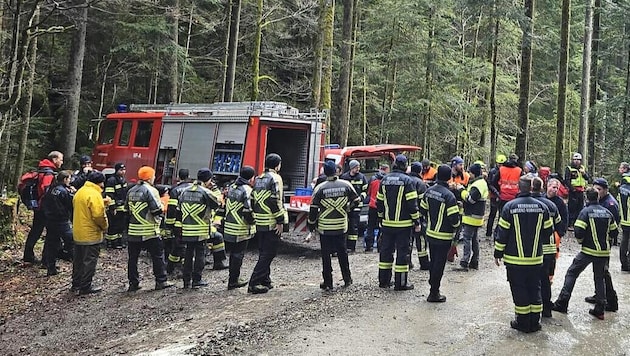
(397, 201)
(594, 228)
(330, 204)
(439, 207)
(267, 202)
(474, 198)
(145, 212)
(195, 205)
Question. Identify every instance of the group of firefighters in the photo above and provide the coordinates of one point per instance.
(441, 207)
(435, 207)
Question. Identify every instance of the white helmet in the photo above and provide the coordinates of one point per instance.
(577, 155)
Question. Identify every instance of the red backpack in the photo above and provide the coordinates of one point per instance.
(28, 187)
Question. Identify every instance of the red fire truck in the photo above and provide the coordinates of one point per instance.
(221, 136)
(369, 156)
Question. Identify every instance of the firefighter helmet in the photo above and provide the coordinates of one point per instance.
(577, 155)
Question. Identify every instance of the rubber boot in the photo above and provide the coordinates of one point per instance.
(347, 276)
(598, 311)
(327, 284)
(560, 306)
(612, 302)
(400, 281)
(534, 322)
(521, 323)
(384, 278)
(220, 260)
(547, 308)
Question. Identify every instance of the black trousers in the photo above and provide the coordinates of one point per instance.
(194, 261)
(174, 250)
(576, 203)
(84, 265)
(39, 223)
(394, 239)
(494, 208)
(353, 229)
(545, 283)
(56, 233)
(525, 287)
(237, 253)
(331, 244)
(267, 250)
(438, 250)
(156, 251)
(580, 262)
(623, 248)
(372, 224)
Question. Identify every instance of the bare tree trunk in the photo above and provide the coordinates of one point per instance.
(328, 22)
(493, 88)
(364, 105)
(173, 77)
(75, 73)
(626, 102)
(187, 52)
(26, 110)
(353, 48)
(256, 54)
(526, 75)
(562, 85)
(586, 79)
(342, 119)
(228, 15)
(593, 93)
(232, 50)
(428, 83)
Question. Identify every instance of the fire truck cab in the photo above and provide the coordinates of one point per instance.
(221, 136)
(370, 156)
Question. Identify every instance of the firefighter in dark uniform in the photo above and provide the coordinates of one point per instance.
(420, 239)
(271, 217)
(440, 211)
(145, 216)
(494, 193)
(549, 246)
(397, 206)
(116, 190)
(239, 225)
(594, 228)
(575, 178)
(173, 247)
(474, 199)
(216, 245)
(623, 196)
(360, 184)
(79, 177)
(195, 205)
(328, 214)
(522, 221)
(607, 201)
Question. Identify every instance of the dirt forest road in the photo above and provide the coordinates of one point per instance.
(38, 316)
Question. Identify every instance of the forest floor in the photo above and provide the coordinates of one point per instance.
(39, 316)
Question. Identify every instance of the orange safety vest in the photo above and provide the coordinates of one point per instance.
(429, 175)
(463, 180)
(508, 182)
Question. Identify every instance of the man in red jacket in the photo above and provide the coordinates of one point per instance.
(46, 170)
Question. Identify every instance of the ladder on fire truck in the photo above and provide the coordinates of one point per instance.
(246, 108)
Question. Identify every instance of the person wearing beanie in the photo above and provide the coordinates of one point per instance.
(420, 239)
(524, 223)
(57, 207)
(239, 223)
(428, 172)
(439, 208)
(360, 184)
(334, 197)
(530, 168)
(116, 190)
(595, 226)
(576, 179)
(606, 200)
(196, 204)
(458, 175)
(173, 248)
(89, 223)
(474, 198)
(79, 177)
(372, 224)
(271, 218)
(506, 181)
(397, 207)
(143, 232)
(493, 194)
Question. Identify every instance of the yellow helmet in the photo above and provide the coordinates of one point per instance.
(480, 162)
(501, 159)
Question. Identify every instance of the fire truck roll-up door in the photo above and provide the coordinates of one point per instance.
(292, 144)
(195, 150)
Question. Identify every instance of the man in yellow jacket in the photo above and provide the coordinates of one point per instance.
(89, 225)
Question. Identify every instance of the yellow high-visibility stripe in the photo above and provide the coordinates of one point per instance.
(401, 268)
(523, 261)
(519, 239)
(522, 310)
(385, 265)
